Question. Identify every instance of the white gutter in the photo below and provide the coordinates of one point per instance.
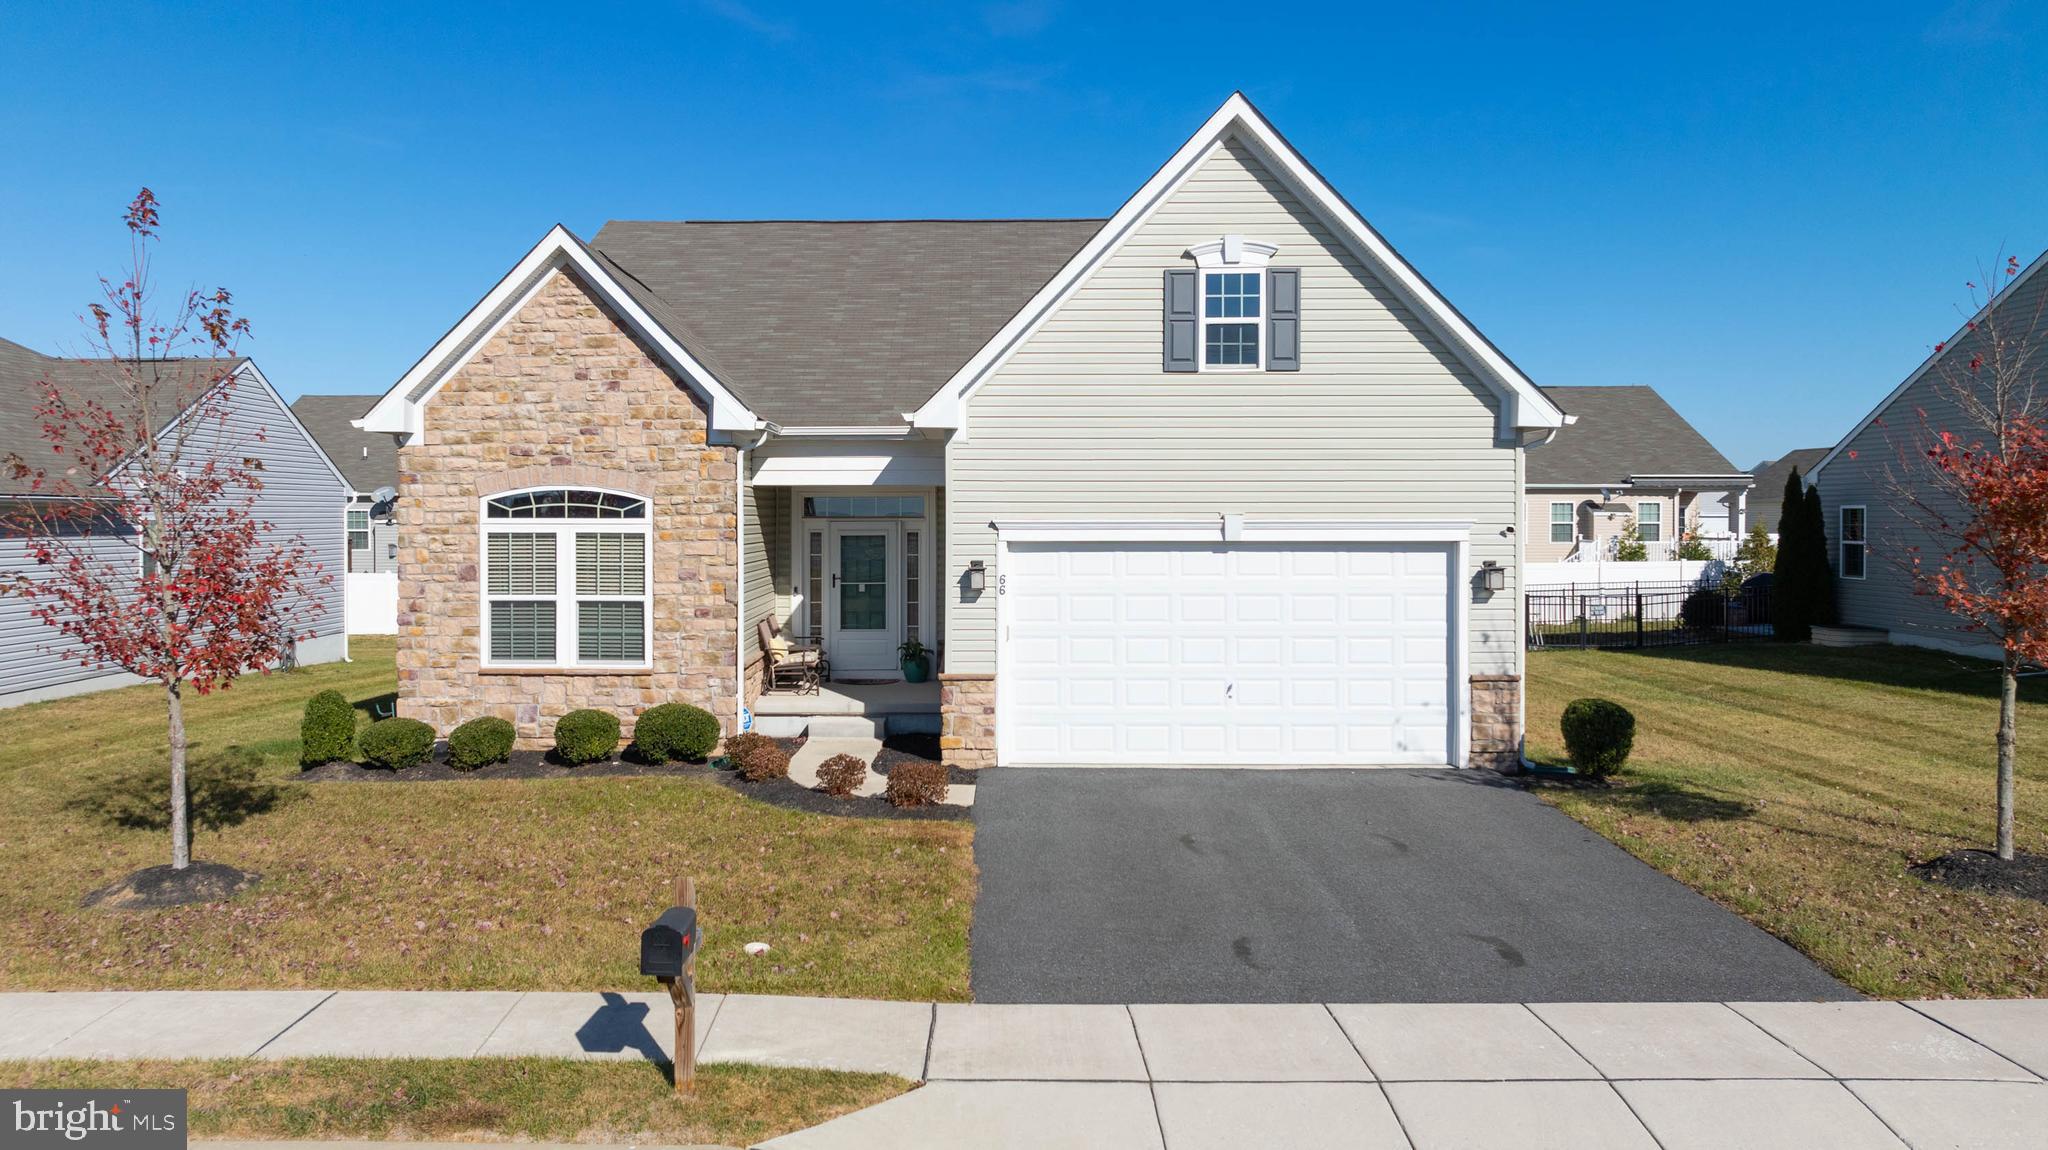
(739, 550)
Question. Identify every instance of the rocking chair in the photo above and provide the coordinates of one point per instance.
(791, 666)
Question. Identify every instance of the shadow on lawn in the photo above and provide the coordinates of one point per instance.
(1684, 804)
(1907, 667)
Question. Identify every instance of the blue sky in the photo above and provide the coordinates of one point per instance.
(1767, 213)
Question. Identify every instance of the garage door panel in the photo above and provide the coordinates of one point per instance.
(1251, 654)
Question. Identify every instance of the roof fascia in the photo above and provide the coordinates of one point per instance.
(1926, 365)
(400, 409)
(1523, 404)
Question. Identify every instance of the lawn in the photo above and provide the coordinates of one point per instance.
(528, 1099)
(1796, 785)
(505, 884)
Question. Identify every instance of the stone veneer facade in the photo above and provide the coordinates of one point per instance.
(1497, 723)
(564, 395)
(967, 720)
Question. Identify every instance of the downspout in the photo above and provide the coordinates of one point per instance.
(739, 614)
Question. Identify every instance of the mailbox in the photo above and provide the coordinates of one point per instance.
(669, 943)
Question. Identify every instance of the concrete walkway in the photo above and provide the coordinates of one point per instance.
(803, 767)
(1580, 1075)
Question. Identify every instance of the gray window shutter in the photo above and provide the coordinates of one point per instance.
(1181, 301)
(1283, 319)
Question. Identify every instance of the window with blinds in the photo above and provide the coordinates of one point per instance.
(595, 612)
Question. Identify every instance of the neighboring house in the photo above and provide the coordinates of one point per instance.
(1767, 498)
(302, 496)
(1218, 480)
(369, 462)
(1626, 457)
(1868, 540)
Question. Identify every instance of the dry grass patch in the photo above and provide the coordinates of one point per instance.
(472, 884)
(531, 1099)
(1795, 785)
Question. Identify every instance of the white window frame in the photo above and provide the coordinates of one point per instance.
(1570, 522)
(1659, 505)
(349, 531)
(565, 597)
(1231, 255)
(1842, 541)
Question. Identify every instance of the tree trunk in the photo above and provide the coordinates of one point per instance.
(181, 830)
(2008, 749)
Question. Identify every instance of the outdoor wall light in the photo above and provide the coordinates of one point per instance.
(1493, 576)
(977, 577)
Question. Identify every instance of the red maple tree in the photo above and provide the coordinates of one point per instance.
(143, 519)
(1975, 487)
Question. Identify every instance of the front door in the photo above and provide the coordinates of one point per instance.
(861, 601)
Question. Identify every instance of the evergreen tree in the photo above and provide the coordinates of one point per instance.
(1789, 623)
(1819, 572)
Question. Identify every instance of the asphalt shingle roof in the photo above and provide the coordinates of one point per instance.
(367, 459)
(24, 371)
(1622, 432)
(1767, 498)
(836, 323)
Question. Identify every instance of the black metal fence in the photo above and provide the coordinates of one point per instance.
(1636, 615)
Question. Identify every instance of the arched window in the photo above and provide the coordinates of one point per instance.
(566, 579)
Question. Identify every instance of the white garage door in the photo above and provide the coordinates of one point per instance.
(1189, 654)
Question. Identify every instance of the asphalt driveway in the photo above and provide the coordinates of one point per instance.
(1187, 885)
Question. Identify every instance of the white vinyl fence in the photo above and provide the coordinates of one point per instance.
(1611, 573)
(372, 602)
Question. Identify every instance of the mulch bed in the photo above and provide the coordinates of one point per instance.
(916, 748)
(155, 887)
(522, 765)
(783, 793)
(2026, 876)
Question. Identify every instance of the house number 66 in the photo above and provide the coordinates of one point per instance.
(1002, 584)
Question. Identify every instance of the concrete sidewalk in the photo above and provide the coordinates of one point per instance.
(1582, 1075)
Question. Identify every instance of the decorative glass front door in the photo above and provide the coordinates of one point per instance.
(865, 566)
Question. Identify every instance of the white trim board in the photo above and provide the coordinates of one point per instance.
(1523, 404)
(400, 411)
(1233, 529)
(1926, 365)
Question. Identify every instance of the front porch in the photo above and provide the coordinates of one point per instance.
(866, 699)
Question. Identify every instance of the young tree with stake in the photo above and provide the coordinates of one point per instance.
(141, 449)
(1973, 488)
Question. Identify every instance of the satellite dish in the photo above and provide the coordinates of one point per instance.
(384, 494)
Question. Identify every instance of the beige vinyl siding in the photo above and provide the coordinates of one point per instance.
(1605, 521)
(1888, 449)
(1380, 422)
(765, 553)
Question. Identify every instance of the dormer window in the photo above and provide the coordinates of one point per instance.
(1230, 318)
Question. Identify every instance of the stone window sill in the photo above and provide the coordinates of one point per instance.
(528, 671)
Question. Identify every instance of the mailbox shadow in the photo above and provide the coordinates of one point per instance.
(619, 1026)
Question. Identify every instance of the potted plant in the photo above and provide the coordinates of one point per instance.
(917, 661)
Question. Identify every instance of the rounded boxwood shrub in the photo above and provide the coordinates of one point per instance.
(674, 731)
(1598, 735)
(328, 730)
(481, 742)
(586, 736)
(841, 775)
(1706, 609)
(397, 743)
(916, 784)
(757, 757)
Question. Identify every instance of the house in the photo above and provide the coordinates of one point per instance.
(302, 496)
(1860, 479)
(1220, 479)
(370, 464)
(1768, 496)
(1627, 457)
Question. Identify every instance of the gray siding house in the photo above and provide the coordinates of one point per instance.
(1767, 499)
(1859, 477)
(1219, 479)
(370, 464)
(302, 496)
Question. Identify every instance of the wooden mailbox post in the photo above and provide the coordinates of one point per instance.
(668, 951)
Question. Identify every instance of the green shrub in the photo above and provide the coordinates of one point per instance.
(586, 736)
(396, 744)
(481, 742)
(328, 731)
(916, 784)
(1706, 609)
(222, 789)
(674, 731)
(757, 757)
(1598, 735)
(841, 775)
(1628, 544)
